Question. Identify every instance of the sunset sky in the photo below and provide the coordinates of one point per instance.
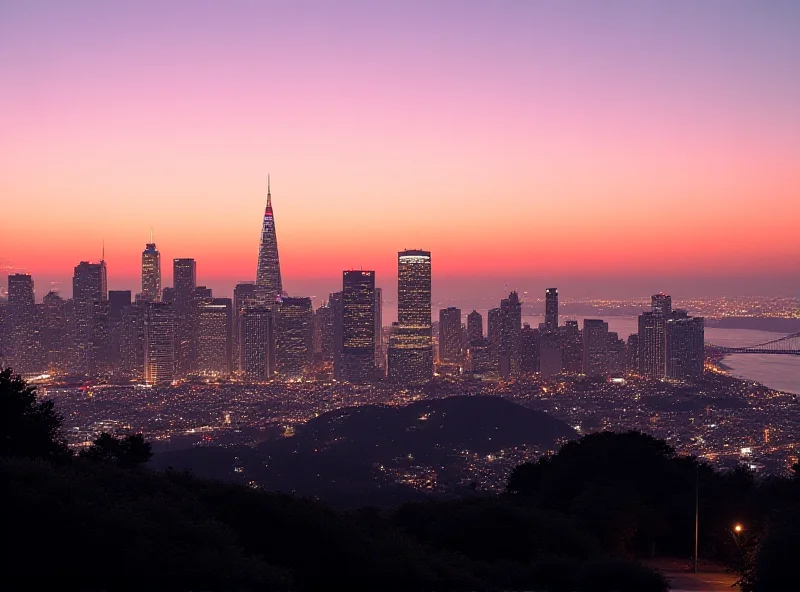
(514, 139)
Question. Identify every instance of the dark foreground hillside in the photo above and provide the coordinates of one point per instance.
(92, 526)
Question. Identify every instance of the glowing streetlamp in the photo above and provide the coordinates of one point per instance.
(737, 528)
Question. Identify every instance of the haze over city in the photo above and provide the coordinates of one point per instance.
(613, 149)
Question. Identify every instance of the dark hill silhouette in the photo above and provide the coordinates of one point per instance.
(351, 456)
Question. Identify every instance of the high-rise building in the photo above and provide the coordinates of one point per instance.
(685, 346)
(450, 335)
(214, 317)
(151, 273)
(595, 347)
(89, 291)
(256, 343)
(184, 281)
(571, 348)
(358, 326)
(474, 326)
(551, 310)
(159, 343)
(293, 337)
(551, 356)
(652, 344)
(23, 327)
(494, 330)
(529, 348)
(268, 273)
(132, 341)
(323, 332)
(55, 334)
(661, 304)
(632, 352)
(616, 355)
(410, 347)
(247, 295)
(118, 302)
(479, 354)
(380, 353)
(337, 312)
(510, 327)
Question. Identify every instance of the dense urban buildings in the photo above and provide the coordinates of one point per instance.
(214, 337)
(595, 347)
(358, 326)
(24, 351)
(510, 327)
(89, 292)
(184, 279)
(684, 349)
(474, 326)
(268, 273)
(410, 347)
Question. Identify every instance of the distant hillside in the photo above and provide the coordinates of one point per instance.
(359, 451)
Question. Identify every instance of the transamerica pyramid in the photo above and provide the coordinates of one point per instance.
(269, 266)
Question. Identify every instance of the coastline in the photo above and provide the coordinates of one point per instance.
(719, 363)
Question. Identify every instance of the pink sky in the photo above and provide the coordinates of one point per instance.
(510, 139)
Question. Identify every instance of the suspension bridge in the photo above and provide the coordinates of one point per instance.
(788, 345)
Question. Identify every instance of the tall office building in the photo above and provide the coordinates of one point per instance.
(268, 273)
(616, 355)
(214, 317)
(118, 302)
(510, 327)
(494, 330)
(256, 343)
(132, 341)
(293, 336)
(159, 343)
(450, 335)
(571, 347)
(474, 326)
(23, 329)
(247, 295)
(410, 347)
(336, 304)
(551, 310)
(151, 273)
(184, 281)
(380, 353)
(685, 346)
(323, 332)
(652, 344)
(551, 355)
(55, 334)
(479, 356)
(632, 352)
(89, 292)
(529, 347)
(661, 304)
(358, 326)
(595, 347)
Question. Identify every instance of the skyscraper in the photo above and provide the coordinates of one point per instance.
(268, 273)
(652, 344)
(159, 343)
(571, 347)
(358, 326)
(118, 302)
(184, 281)
(55, 334)
(551, 355)
(293, 337)
(151, 273)
(380, 354)
(23, 339)
(529, 349)
(410, 347)
(551, 310)
(685, 346)
(256, 343)
(214, 335)
(335, 302)
(510, 327)
(450, 335)
(89, 291)
(494, 329)
(474, 326)
(661, 303)
(595, 346)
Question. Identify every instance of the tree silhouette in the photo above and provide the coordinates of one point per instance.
(128, 452)
(28, 428)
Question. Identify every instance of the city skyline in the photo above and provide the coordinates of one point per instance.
(573, 160)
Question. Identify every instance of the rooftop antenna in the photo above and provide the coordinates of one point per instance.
(103, 254)
(151, 235)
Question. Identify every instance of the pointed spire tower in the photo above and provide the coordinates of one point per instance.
(269, 266)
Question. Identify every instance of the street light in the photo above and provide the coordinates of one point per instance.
(737, 529)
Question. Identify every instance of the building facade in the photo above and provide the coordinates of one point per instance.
(358, 326)
(268, 274)
(410, 346)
